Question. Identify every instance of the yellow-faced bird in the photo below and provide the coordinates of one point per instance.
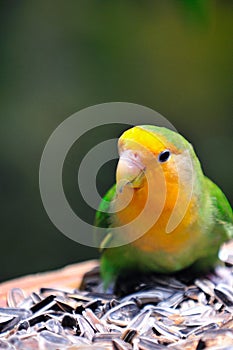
(163, 214)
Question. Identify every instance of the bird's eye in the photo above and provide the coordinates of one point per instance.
(164, 156)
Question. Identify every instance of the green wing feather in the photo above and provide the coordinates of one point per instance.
(103, 217)
(217, 223)
(223, 210)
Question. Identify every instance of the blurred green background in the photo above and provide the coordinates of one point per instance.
(58, 57)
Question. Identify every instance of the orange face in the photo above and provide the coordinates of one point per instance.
(153, 179)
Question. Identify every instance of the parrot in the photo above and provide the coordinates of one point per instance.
(163, 214)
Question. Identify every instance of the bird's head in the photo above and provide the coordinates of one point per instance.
(159, 164)
(153, 153)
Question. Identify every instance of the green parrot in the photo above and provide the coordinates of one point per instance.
(163, 214)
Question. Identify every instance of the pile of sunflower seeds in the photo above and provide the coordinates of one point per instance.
(155, 313)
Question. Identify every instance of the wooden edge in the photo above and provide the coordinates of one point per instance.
(67, 277)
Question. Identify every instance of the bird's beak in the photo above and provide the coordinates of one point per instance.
(130, 171)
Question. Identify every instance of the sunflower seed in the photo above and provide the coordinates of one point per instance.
(15, 297)
(122, 314)
(84, 327)
(224, 294)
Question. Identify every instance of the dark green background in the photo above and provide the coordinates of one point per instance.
(58, 57)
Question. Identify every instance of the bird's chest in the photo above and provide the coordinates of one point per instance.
(147, 222)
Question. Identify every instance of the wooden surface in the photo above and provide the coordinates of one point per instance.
(67, 277)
